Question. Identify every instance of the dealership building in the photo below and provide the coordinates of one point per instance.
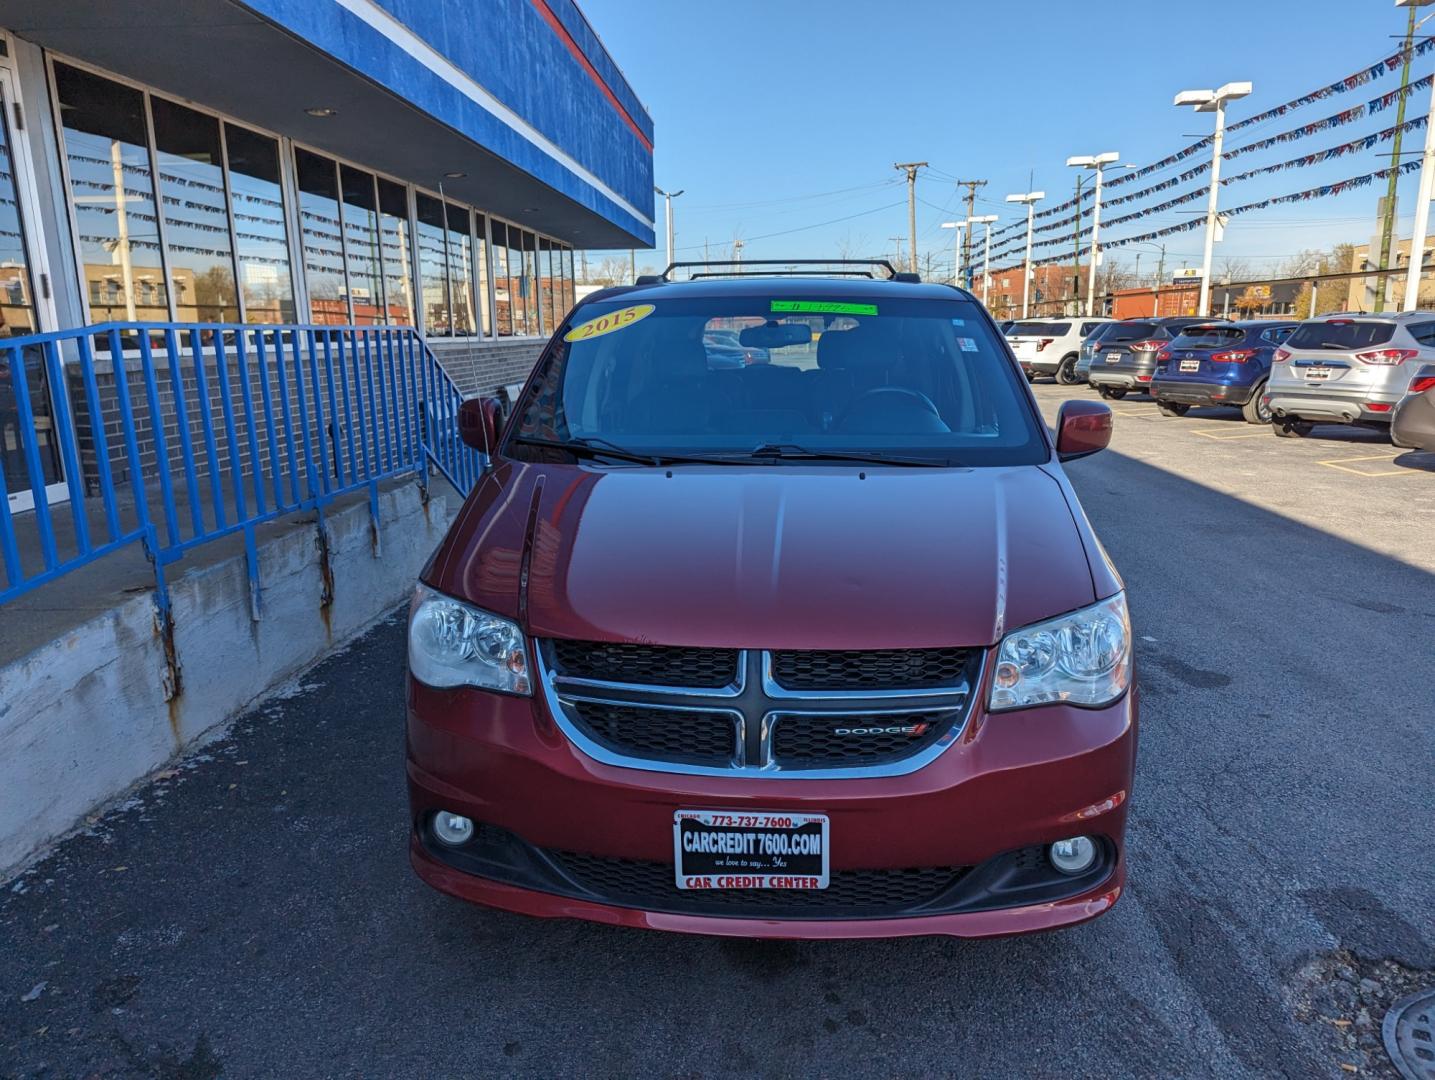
(430, 163)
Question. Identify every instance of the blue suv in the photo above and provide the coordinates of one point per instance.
(1219, 364)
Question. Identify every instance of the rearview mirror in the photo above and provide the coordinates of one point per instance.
(479, 421)
(1082, 428)
(775, 335)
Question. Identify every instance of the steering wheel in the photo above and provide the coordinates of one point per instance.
(903, 391)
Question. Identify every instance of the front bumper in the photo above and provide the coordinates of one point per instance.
(1011, 783)
(1200, 393)
(1331, 407)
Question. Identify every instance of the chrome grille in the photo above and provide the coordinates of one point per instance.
(661, 733)
(882, 712)
(870, 669)
(818, 740)
(653, 665)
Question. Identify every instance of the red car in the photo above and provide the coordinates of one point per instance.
(823, 647)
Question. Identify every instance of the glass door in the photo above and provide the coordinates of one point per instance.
(23, 311)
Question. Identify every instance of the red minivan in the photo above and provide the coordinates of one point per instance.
(821, 647)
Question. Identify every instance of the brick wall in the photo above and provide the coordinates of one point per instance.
(484, 367)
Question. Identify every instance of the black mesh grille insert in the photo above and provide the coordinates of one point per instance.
(650, 885)
(657, 733)
(816, 741)
(656, 665)
(871, 669)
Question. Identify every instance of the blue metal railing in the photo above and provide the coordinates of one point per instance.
(177, 434)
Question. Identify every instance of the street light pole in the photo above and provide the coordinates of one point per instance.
(986, 220)
(668, 197)
(1427, 181)
(961, 227)
(1030, 198)
(1099, 163)
(1212, 101)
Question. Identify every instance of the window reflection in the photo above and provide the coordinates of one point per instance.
(361, 244)
(502, 297)
(460, 273)
(191, 190)
(480, 231)
(545, 280)
(323, 242)
(259, 231)
(17, 294)
(394, 244)
(112, 193)
(432, 280)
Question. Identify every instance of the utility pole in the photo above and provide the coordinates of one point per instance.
(898, 241)
(633, 262)
(1076, 249)
(737, 251)
(971, 186)
(1156, 290)
(1387, 227)
(911, 167)
(1416, 263)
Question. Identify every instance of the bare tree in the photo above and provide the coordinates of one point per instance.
(1234, 269)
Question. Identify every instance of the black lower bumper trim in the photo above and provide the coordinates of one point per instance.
(1012, 879)
(1201, 393)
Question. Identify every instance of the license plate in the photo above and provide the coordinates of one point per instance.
(1190, 365)
(1317, 374)
(1113, 358)
(732, 849)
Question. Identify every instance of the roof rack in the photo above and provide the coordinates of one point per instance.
(737, 268)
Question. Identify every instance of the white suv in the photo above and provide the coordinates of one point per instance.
(1051, 346)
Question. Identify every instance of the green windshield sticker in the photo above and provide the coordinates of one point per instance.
(823, 307)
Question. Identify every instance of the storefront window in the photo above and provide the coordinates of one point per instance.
(460, 269)
(196, 219)
(502, 298)
(323, 242)
(433, 281)
(546, 281)
(518, 282)
(480, 233)
(361, 245)
(259, 232)
(112, 194)
(394, 243)
(568, 297)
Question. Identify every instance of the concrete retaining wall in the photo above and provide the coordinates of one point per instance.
(85, 716)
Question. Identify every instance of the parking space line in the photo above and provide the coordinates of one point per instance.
(1225, 435)
(1342, 463)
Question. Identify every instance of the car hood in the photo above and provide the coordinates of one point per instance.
(777, 557)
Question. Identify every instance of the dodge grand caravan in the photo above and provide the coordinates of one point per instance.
(821, 647)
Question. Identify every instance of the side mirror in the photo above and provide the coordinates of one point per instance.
(1082, 428)
(479, 421)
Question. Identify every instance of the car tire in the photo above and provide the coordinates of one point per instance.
(1066, 373)
(1291, 429)
(1173, 408)
(1253, 411)
(1112, 393)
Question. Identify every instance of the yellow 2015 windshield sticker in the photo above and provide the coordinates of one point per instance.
(606, 324)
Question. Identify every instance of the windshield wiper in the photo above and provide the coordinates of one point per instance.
(794, 451)
(592, 446)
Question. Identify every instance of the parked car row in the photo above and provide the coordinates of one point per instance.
(1375, 371)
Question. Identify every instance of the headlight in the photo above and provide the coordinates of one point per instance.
(454, 644)
(1083, 658)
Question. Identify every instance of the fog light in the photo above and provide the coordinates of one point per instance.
(1073, 856)
(452, 830)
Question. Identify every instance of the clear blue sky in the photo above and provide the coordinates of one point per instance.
(762, 107)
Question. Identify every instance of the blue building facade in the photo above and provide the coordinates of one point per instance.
(423, 163)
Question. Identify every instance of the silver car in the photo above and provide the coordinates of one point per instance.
(1347, 369)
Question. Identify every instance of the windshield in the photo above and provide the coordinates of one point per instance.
(1341, 334)
(917, 379)
(1208, 337)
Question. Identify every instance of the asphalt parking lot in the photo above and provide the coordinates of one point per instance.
(252, 913)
